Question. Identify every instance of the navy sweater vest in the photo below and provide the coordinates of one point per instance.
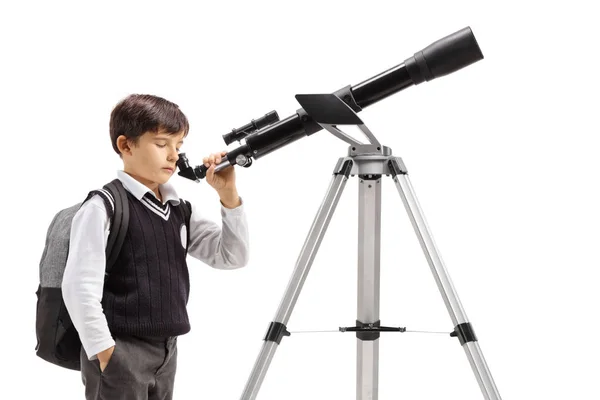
(147, 291)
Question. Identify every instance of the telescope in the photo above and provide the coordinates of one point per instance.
(440, 58)
(370, 162)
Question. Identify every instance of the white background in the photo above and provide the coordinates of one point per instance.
(503, 156)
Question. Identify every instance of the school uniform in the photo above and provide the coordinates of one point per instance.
(140, 307)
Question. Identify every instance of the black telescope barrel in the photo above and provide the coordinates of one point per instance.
(440, 58)
(276, 136)
(381, 86)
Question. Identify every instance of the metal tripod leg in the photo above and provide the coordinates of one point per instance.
(369, 246)
(277, 328)
(463, 328)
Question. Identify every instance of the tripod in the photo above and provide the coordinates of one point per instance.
(370, 162)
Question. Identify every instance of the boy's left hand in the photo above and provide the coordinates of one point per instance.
(222, 181)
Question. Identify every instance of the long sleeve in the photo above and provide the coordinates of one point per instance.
(83, 279)
(225, 247)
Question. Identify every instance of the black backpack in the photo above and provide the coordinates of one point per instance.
(57, 339)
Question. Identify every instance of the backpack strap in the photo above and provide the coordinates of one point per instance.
(187, 210)
(117, 208)
(120, 223)
(186, 207)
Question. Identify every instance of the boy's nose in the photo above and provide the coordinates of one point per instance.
(174, 156)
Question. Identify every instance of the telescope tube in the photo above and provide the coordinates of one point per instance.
(440, 58)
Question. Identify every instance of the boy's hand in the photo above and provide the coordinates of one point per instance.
(223, 181)
(104, 357)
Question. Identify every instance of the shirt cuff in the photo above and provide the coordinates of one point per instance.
(94, 350)
(227, 212)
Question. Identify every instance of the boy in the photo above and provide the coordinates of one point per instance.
(128, 324)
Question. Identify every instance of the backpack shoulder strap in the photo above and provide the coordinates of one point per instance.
(120, 222)
(117, 208)
(186, 207)
(187, 210)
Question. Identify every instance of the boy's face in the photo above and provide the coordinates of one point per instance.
(152, 160)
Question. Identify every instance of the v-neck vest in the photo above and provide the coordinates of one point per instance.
(147, 291)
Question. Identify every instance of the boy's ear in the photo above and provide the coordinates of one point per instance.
(124, 144)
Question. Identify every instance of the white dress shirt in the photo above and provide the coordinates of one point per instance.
(223, 247)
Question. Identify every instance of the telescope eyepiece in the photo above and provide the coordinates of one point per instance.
(185, 169)
(182, 162)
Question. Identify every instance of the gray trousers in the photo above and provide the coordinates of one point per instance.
(139, 369)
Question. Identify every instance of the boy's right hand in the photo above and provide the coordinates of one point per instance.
(104, 357)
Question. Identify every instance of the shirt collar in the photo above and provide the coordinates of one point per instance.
(138, 189)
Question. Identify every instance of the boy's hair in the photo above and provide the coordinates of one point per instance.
(137, 114)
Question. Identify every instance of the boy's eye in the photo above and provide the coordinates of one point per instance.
(164, 145)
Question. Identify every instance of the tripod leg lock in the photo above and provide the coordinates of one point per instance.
(397, 167)
(276, 332)
(465, 333)
(344, 168)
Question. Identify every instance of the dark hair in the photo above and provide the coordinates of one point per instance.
(137, 114)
